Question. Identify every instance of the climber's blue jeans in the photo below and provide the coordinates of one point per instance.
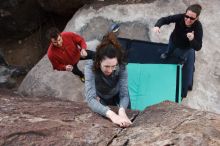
(187, 72)
(187, 58)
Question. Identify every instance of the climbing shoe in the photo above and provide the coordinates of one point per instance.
(82, 79)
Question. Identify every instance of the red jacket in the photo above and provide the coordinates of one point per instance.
(69, 53)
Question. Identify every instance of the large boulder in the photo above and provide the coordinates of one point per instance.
(47, 121)
(168, 124)
(137, 21)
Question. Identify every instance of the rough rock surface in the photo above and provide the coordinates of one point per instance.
(171, 124)
(48, 121)
(137, 21)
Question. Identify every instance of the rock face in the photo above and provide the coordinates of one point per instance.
(137, 21)
(8, 73)
(35, 121)
(15, 22)
(48, 121)
(171, 124)
(20, 18)
(62, 7)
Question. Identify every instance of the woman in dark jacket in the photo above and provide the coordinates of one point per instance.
(184, 40)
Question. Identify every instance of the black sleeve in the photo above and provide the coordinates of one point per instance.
(169, 19)
(196, 43)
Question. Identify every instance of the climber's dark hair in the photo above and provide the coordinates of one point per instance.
(53, 33)
(196, 8)
(110, 48)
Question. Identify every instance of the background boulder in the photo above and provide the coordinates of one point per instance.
(137, 21)
(19, 18)
(62, 7)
